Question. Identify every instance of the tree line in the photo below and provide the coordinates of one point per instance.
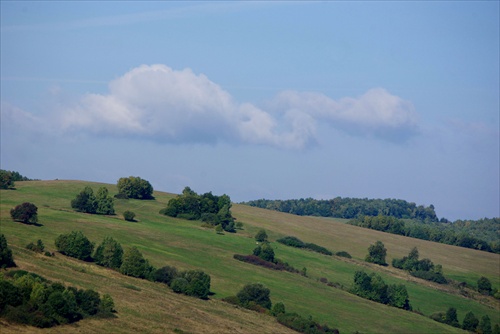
(349, 208)
(445, 233)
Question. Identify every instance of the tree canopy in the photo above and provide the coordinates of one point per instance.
(25, 213)
(75, 244)
(87, 202)
(135, 187)
(377, 253)
(256, 293)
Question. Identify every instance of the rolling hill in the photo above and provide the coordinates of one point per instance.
(145, 306)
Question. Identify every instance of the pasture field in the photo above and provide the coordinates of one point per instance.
(151, 307)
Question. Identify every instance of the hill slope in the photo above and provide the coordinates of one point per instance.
(149, 307)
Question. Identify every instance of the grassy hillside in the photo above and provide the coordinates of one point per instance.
(151, 307)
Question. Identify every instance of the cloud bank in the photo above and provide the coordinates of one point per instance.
(167, 105)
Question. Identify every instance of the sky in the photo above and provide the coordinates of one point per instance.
(275, 100)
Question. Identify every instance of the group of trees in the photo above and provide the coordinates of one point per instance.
(424, 268)
(102, 203)
(87, 202)
(132, 263)
(349, 208)
(373, 287)
(464, 234)
(30, 299)
(211, 209)
(470, 323)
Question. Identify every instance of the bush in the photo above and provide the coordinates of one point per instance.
(129, 216)
(25, 213)
(317, 249)
(135, 187)
(38, 248)
(295, 242)
(278, 308)
(109, 254)
(6, 259)
(344, 254)
(198, 283)
(75, 244)
(291, 241)
(166, 275)
(256, 293)
(303, 325)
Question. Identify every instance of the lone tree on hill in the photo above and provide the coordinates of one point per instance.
(135, 187)
(25, 213)
(377, 253)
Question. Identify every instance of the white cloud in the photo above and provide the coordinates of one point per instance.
(167, 105)
(179, 106)
(376, 112)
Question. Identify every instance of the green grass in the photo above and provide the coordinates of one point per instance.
(187, 245)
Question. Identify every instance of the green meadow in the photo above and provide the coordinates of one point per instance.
(151, 307)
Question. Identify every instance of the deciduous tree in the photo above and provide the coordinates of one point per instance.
(377, 253)
(6, 259)
(25, 213)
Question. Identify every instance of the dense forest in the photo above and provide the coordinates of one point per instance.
(396, 217)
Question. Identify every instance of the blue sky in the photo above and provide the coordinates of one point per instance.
(270, 100)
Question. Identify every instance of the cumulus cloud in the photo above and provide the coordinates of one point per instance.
(163, 104)
(376, 112)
